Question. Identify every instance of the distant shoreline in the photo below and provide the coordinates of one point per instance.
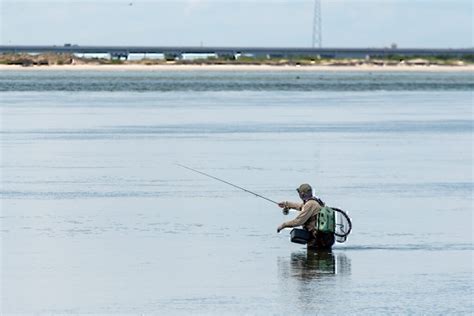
(229, 67)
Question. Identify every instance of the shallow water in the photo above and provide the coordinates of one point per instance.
(97, 218)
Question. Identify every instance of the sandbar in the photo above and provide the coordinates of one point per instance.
(229, 67)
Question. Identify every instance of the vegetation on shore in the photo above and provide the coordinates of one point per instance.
(70, 59)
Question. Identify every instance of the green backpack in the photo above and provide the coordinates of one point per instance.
(326, 220)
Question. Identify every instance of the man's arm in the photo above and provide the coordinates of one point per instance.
(299, 220)
(291, 205)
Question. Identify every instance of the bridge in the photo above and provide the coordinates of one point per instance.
(177, 52)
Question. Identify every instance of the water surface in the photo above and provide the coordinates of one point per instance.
(97, 218)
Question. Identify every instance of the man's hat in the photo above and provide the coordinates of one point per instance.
(304, 188)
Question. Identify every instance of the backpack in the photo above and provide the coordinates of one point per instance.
(326, 221)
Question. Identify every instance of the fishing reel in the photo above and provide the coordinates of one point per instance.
(286, 210)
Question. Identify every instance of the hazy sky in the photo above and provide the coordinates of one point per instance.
(345, 23)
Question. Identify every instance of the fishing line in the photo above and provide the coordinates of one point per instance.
(226, 182)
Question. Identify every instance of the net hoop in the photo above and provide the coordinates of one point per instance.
(348, 221)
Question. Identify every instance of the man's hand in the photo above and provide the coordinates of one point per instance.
(282, 204)
(279, 228)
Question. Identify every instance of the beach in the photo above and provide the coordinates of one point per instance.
(229, 67)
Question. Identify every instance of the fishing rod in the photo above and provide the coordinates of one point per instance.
(341, 234)
(226, 182)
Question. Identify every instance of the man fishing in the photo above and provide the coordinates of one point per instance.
(321, 238)
(307, 217)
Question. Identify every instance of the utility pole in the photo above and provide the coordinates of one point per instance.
(317, 31)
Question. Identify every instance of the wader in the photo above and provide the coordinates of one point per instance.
(320, 241)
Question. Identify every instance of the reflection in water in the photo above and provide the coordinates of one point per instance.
(309, 265)
(311, 280)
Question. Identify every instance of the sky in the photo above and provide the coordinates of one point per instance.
(279, 23)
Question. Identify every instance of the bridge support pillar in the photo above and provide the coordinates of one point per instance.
(119, 55)
(171, 56)
(227, 55)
